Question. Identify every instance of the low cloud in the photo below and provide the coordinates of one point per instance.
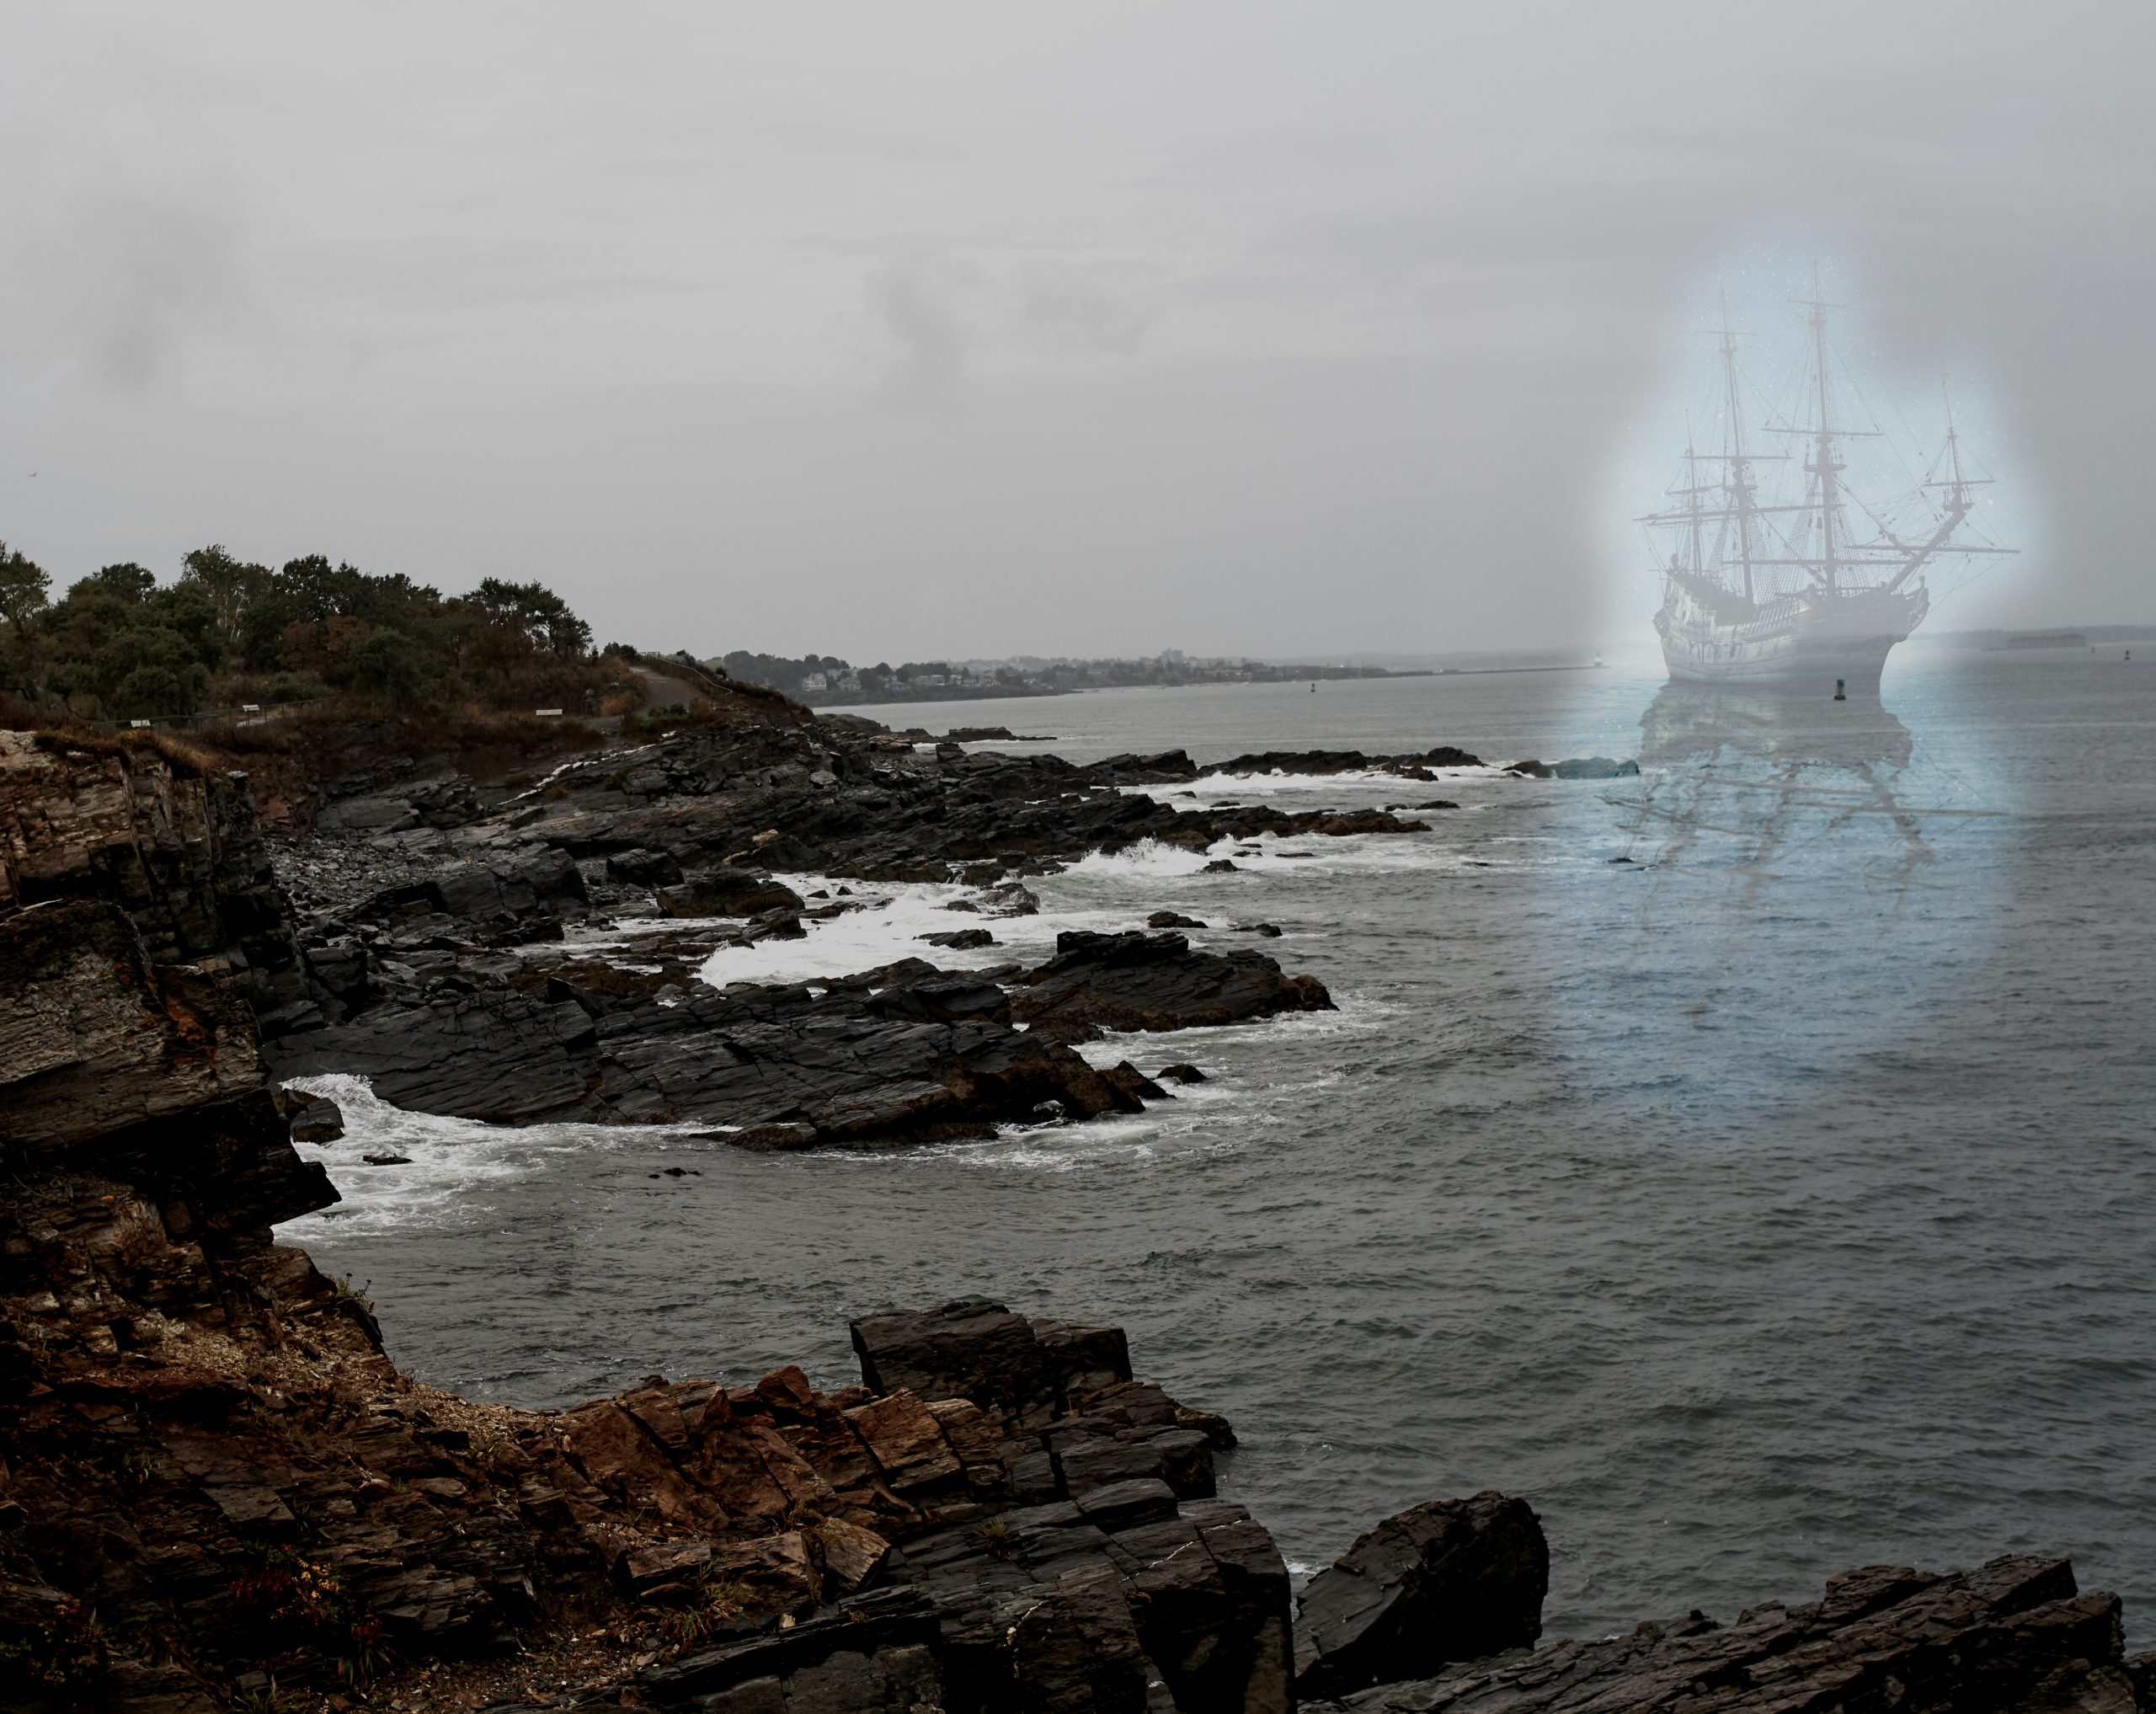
(921, 300)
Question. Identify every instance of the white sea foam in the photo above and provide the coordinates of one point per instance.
(1235, 786)
(451, 1161)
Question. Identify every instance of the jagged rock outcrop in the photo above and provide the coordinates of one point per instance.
(170, 838)
(1448, 1580)
(1581, 767)
(821, 798)
(2012, 1636)
(1345, 761)
(1154, 982)
(905, 1052)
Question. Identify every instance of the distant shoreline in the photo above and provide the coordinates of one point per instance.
(1000, 693)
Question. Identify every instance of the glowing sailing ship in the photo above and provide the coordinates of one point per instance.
(1761, 586)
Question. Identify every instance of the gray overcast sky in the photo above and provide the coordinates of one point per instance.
(894, 331)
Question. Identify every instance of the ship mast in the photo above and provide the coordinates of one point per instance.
(1959, 506)
(1692, 496)
(1739, 475)
(1824, 465)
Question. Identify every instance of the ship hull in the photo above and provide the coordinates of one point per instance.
(1814, 637)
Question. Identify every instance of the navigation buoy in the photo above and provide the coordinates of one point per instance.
(1841, 690)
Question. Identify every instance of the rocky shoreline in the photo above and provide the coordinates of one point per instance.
(215, 1492)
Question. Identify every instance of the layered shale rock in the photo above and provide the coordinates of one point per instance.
(1154, 982)
(1448, 1580)
(2013, 1634)
(171, 838)
(906, 1052)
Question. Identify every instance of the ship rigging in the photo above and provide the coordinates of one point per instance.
(1773, 583)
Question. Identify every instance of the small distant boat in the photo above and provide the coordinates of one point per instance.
(1812, 583)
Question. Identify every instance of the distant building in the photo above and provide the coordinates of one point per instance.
(1172, 657)
(815, 681)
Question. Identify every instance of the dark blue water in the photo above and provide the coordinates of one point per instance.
(1778, 1200)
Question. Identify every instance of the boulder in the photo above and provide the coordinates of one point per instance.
(643, 868)
(1596, 767)
(320, 1120)
(724, 891)
(1448, 1580)
(1171, 919)
(970, 1348)
(1132, 1081)
(1154, 982)
(959, 939)
(1180, 1073)
(1580, 768)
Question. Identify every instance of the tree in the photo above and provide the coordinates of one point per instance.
(24, 587)
(381, 665)
(535, 612)
(230, 585)
(127, 580)
(148, 670)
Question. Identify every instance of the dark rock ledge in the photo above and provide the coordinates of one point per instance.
(217, 1494)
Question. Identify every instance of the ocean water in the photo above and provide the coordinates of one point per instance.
(1752, 1163)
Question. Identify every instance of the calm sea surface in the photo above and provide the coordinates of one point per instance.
(1752, 1163)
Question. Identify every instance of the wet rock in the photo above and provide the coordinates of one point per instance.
(386, 1160)
(959, 939)
(1448, 1580)
(643, 868)
(1171, 919)
(1585, 767)
(1264, 930)
(726, 892)
(319, 1120)
(1220, 866)
(970, 1348)
(1344, 761)
(2013, 1634)
(1180, 1073)
(1154, 982)
(1134, 1083)
(770, 1138)
(1354, 821)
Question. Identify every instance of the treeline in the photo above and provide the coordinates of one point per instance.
(119, 645)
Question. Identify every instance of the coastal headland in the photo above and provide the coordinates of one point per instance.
(217, 1492)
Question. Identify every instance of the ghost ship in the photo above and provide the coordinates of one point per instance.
(1817, 584)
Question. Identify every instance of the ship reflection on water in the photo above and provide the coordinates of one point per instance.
(1770, 765)
(1812, 874)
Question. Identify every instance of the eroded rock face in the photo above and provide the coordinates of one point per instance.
(175, 848)
(1448, 1580)
(2012, 1635)
(1142, 981)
